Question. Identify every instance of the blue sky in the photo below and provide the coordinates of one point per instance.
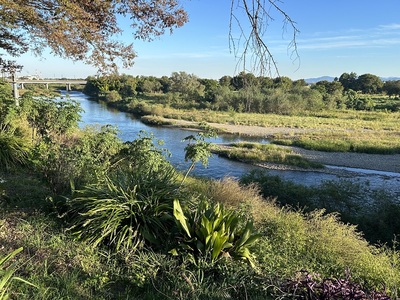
(361, 36)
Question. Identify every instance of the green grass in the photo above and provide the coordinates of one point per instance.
(264, 153)
(372, 142)
(336, 130)
(65, 268)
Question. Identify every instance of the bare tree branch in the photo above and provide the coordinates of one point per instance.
(250, 46)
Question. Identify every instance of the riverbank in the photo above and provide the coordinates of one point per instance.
(379, 162)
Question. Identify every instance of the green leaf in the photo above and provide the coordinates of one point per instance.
(180, 216)
(219, 244)
(174, 252)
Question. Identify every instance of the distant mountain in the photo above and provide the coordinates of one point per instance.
(390, 78)
(314, 80)
(330, 79)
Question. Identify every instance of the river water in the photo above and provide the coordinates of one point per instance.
(129, 127)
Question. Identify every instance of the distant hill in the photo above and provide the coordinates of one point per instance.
(390, 78)
(330, 79)
(314, 80)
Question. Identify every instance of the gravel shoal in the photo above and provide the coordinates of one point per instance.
(380, 162)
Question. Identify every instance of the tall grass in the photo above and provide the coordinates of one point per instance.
(339, 130)
(318, 242)
(14, 151)
(292, 240)
(261, 153)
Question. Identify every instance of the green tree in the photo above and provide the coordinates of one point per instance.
(299, 83)
(128, 86)
(6, 104)
(392, 88)
(369, 83)
(223, 97)
(113, 96)
(266, 82)
(243, 80)
(332, 93)
(210, 87)
(198, 149)
(50, 117)
(165, 84)
(349, 81)
(226, 81)
(284, 83)
(188, 85)
(148, 84)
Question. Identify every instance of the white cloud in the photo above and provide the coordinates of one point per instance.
(393, 26)
(381, 36)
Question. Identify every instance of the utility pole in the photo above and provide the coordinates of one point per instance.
(15, 87)
(12, 68)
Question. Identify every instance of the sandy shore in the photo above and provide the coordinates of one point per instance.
(387, 163)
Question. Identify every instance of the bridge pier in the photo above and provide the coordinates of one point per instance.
(68, 86)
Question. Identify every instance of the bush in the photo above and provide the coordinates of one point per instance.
(373, 211)
(131, 206)
(83, 158)
(213, 232)
(14, 151)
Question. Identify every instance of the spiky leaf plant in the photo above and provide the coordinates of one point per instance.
(213, 231)
(7, 274)
(131, 206)
(14, 151)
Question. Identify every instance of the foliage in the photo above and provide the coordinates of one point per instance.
(51, 117)
(83, 158)
(372, 210)
(6, 102)
(214, 232)
(144, 153)
(14, 151)
(63, 267)
(132, 205)
(7, 274)
(260, 153)
(392, 88)
(198, 149)
(130, 190)
(309, 286)
(63, 27)
(187, 85)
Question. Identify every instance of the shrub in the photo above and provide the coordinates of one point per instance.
(214, 232)
(83, 158)
(133, 205)
(14, 151)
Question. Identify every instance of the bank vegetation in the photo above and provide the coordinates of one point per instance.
(85, 215)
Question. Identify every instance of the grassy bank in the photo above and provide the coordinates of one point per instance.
(264, 153)
(62, 267)
(339, 130)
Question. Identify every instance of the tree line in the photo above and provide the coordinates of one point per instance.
(247, 93)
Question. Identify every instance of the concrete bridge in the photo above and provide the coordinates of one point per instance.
(22, 82)
(67, 82)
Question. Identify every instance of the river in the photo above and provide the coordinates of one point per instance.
(129, 127)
